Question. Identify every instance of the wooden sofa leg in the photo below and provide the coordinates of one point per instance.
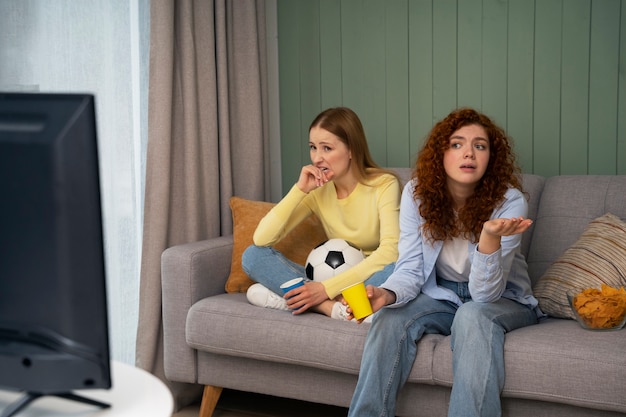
(209, 400)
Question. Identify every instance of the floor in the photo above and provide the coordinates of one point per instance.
(244, 404)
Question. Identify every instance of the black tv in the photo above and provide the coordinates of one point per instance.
(53, 305)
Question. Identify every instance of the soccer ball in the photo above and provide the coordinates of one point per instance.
(331, 258)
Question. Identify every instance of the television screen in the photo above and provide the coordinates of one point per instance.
(53, 309)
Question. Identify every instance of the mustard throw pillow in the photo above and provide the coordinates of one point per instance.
(295, 246)
(597, 257)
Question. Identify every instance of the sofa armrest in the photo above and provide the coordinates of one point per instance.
(189, 273)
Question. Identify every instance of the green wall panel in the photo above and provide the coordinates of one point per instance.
(520, 71)
(575, 73)
(494, 59)
(291, 122)
(397, 83)
(470, 54)
(603, 85)
(309, 68)
(421, 113)
(330, 50)
(444, 57)
(364, 80)
(547, 91)
(551, 72)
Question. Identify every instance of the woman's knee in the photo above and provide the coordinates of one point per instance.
(252, 257)
(469, 315)
(386, 319)
(471, 309)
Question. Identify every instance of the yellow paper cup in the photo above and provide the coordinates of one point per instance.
(356, 297)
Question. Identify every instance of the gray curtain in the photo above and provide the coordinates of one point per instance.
(207, 140)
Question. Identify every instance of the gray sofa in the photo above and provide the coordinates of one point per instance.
(555, 368)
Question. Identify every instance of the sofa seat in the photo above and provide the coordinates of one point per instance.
(559, 361)
(228, 324)
(586, 374)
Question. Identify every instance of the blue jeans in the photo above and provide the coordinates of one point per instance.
(477, 344)
(271, 268)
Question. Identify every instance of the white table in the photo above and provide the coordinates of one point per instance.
(135, 393)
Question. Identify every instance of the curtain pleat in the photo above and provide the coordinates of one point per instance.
(207, 141)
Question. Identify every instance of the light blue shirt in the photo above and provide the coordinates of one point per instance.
(503, 273)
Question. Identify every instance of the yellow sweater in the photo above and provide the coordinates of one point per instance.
(367, 218)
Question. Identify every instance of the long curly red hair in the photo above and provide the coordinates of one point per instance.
(436, 205)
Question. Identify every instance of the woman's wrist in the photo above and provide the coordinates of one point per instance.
(488, 243)
(390, 297)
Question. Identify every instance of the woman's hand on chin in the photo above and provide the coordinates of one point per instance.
(312, 177)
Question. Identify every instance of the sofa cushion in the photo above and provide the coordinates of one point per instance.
(227, 324)
(568, 203)
(296, 245)
(597, 257)
(532, 186)
(555, 361)
(559, 361)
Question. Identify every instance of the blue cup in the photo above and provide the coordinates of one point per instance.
(291, 284)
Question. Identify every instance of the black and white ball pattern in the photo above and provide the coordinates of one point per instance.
(331, 258)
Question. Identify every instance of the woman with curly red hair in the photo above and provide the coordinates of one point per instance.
(460, 270)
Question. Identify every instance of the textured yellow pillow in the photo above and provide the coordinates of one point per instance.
(597, 257)
(296, 245)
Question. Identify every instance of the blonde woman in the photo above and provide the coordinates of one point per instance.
(355, 200)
